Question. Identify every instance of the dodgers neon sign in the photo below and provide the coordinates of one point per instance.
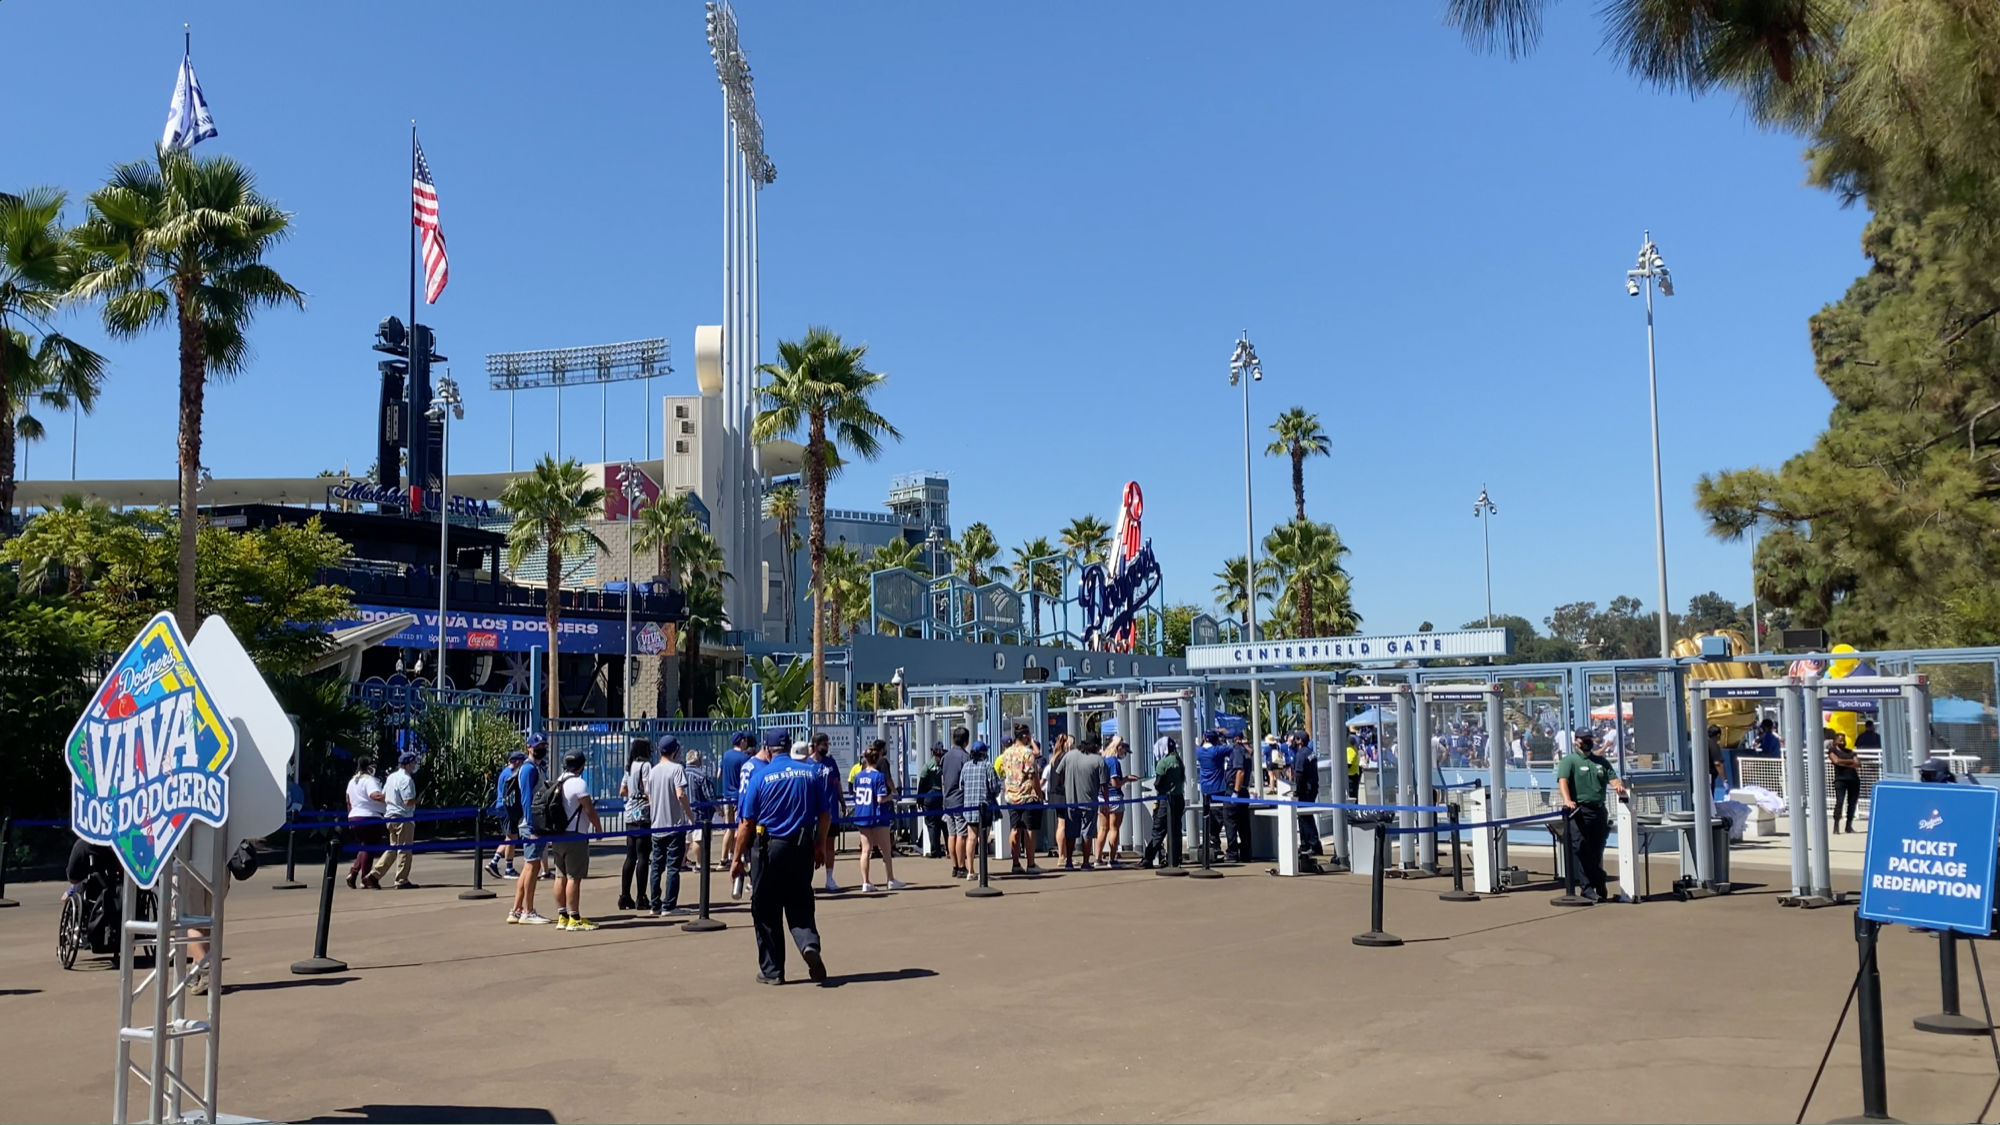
(1112, 597)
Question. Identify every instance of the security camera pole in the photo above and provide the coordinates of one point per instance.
(1652, 268)
(1245, 362)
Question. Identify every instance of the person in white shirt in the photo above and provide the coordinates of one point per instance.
(672, 820)
(572, 857)
(364, 802)
(399, 804)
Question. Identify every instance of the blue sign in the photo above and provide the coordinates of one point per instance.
(1112, 601)
(497, 632)
(1930, 855)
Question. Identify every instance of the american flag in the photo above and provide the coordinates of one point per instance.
(424, 213)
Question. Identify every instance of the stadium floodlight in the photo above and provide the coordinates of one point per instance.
(1653, 268)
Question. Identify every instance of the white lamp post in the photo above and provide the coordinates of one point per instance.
(445, 405)
(1244, 362)
(1483, 510)
(634, 492)
(1652, 268)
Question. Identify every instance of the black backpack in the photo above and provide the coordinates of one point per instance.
(511, 803)
(546, 816)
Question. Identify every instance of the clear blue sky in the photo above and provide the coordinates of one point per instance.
(1049, 222)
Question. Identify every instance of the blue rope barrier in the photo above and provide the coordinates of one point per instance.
(1274, 802)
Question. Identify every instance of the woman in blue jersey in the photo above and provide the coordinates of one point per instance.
(873, 800)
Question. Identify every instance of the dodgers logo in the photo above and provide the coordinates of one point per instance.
(1932, 821)
(150, 755)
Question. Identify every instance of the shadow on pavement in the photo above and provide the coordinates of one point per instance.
(438, 1115)
(298, 982)
(873, 978)
(19, 991)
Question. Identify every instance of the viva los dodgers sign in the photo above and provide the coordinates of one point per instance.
(150, 755)
(1347, 650)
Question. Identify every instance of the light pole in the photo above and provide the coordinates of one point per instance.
(1483, 510)
(634, 491)
(445, 405)
(1652, 268)
(1245, 362)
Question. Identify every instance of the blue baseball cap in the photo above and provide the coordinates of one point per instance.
(518, 756)
(977, 748)
(777, 739)
(535, 740)
(744, 738)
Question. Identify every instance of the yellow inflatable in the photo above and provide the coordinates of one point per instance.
(1846, 722)
(1734, 716)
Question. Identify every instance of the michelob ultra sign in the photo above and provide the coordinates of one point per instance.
(150, 755)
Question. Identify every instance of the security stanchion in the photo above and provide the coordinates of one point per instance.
(478, 890)
(983, 890)
(1207, 869)
(1569, 897)
(1950, 1021)
(291, 882)
(1173, 854)
(1457, 893)
(6, 845)
(319, 962)
(1375, 936)
(701, 923)
(1868, 1018)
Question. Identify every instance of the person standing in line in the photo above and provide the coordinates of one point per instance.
(930, 798)
(572, 857)
(1582, 777)
(1023, 787)
(1305, 788)
(821, 756)
(874, 796)
(734, 767)
(1169, 802)
(508, 806)
(701, 802)
(1354, 768)
(673, 816)
(1110, 811)
(1083, 778)
(1212, 774)
(782, 813)
(533, 850)
(1869, 738)
(364, 803)
(976, 798)
(952, 769)
(399, 805)
(1239, 810)
(1846, 776)
(638, 819)
(1056, 788)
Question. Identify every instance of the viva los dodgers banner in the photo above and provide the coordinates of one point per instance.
(150, 755)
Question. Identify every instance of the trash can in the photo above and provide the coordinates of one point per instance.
(1361, 840)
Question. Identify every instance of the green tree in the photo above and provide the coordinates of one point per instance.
(65, 538)
(1088, 538)
(1691, 45)
(972, 555)
(1711, 611)
(1177, 619)
(704, 622)
(1230, 581)
(847, 591)
(184, 239)
(1038, 574)
(550, 509)
(39, 263)
(660, 528)
(1299, 436)
(1316, 597)
(781, 504)
(898, 553)
(821, 386)
(49, 665)
(784, 688)
(333, 728)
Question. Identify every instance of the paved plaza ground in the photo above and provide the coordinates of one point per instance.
(1107, 996)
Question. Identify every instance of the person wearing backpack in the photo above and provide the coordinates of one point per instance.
(507, 806)
(565, 808)
(527, 780)
(638, 825)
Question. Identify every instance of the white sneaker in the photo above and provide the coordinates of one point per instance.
(867, 888)
(898, 885)
(532, 918)
(513, 917)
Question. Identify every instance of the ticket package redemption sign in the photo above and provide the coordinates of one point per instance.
(1931, 855)
(150, 755)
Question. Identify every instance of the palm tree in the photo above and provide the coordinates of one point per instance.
(1229, 586)
(821, 386)
(551, 507)
(704, 622)
(39, 263)
(973, 552)
(1037, 578)
(69, 536)
(781, 503)
(184, 239)
(1088, 538)
(847, 590)
(1306, 556)
(701, 559)
(1677, 44)
(1300, 436)
(661, 527)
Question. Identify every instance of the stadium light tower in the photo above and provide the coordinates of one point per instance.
(445, 405)
(1650, 270)
(1245, 368)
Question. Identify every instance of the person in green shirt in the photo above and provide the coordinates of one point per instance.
(1582, 777)
(1169, 807)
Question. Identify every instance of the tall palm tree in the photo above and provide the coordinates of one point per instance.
(1677, 44)
(551, 507)
(700, 559)
(897, 553)
(821, 386)
(1300, 436)
(1307, 557)
(973, 554)
(705, 617)
(781, 504)
(1088, 538)
(1037, 578)
(39, 263)
(184, 239)
(660, 527)
(1230, 581)
(847, 590)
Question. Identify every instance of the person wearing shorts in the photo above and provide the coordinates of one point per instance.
(1020, 771)
(1111, 814)
(1083, 785)
(572, 857)
(533, 851)
(976, 797)
(509, 805)
(951, 772)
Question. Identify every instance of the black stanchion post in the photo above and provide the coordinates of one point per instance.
(1457, 893)
(1950, 1021)
(983, 890)
(1207, 869)
(319, 962)
(1569, 897)
(291, 882)
(1173, 854)
(1868, 1017)
(6, 845)
(478, 890)
(1375, 935)
(701, 923)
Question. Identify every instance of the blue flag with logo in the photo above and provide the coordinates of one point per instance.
(188, 122)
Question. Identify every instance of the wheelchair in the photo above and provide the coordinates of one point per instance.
(91, 919)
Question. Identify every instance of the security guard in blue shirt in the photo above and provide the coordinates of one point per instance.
(783, 810)
(1212, 770)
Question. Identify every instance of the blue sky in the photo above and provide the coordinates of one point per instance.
(1049, 222)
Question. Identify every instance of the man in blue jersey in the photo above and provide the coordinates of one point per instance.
(1212, 771)
(730, 783)
(782, 812)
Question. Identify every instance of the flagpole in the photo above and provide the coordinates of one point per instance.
(410, 377)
